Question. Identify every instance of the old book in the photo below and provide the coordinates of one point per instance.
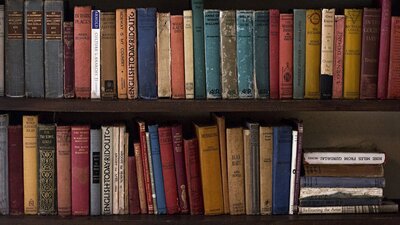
(343, 156)
(82, 39)
(164, 55)
(370, 53)
(313, 52)
(4, 195)
(121, 170)
(53, 49)
(151, 172)
(247, 171)
(292, 190)
(346, 182)
(115, 170)
(386, 207)
(274, 51)
(338, 56)
(229, 79)
(306, 192)
(234, 140)
(210, 169)
(140, 178)
(95, 168)
(120, 46)
(95, 55)
(2, 52)
(107, 48)
(63, 170)
(33, 48)
(15, 170)
(212, 53)
(327, 44)
(131, 53)
(188, 53)
(266, 148)
(261, 53)
(126, 173)
(299, 52)
(177, 58)
(69, 60)
(29, 135)
(299, 127)
(343, 170)
(134, 203)
(286, 56)
(348, 201)
(254, 129)
(106, 170)
(394, 70)
(80, 174)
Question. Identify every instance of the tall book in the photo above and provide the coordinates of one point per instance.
(244, 53)
(121, 169)
(177, 58)
(266, 149)
(299, 52)
(69, 60)
(126, 172)
(95, 55)
(140, 178)
(63, 170)
(327, 45)
(115, 170)
(14, 43)
(29, 135)
(229, 79)
(80, 174)
(151, 172)
(131, 53)
(338, 56)
(164, 55)
(261, 54)
(133, 195)
(254, 129)
(4, 195)
(33, 48)
(286, 56)
(2, 52)
(46, 143)
(198, 49)
(188, 50)
(394, 70)
(352, 53)
(106, 170)
(247, 171)
(292, 190)
(147, 78)
(299, 127)
(95, 165)
(274, 51)
(120, 46)
(15, 170)
(210, 169)
(313, 53)
(212, 53)
(53, 49)
(82, 42)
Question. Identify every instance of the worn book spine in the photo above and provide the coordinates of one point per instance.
(286, 56)
(212, 53)
(106, 170)
(29, 125)
(33, 48)
(153, 184)
(69, 60)
(120, 45)
(140, 179)
(131, 53)
(177, 58)
(229, 79)
(244, 53)
(394, 69)
(188, 53)
(2, 52)
(198, 49)
(327, 44)
(53, 49)
(313, 54)
(266, 148)
(338, 56)
(164, 55)
(292, 190)
(121, 170)
(133, 195)
(300, 128)
(319, 202)
(255, 164)
(4, 195)
(145, 163)
(82, 39)
(95, 165)
(306, 192)
(95, 55)
(370, 52)
(115, 171)
(299, 52)
(384, 208)
(63, 170)
(349, 182)
(274, 51)
(108, 64)
(319, 170)
(234, 140)
(14, 43)
(247, 171)
(340, 157)
(126, 172)
(261, 54)
(15, 170)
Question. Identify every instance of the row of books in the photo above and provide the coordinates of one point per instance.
(202, 54)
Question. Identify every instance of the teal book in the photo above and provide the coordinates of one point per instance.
(299, 53)
(261, 54)
(198, 49)
(212, 53)
(244, 48)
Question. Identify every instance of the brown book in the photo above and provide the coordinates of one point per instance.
(69, 77)
(394, 60)
(15, 170)
(64, 170)
(177, 58)
(343, 170)
(247, 171)
(121, 53)
(266, 170)
(131, 54)
(140, 179)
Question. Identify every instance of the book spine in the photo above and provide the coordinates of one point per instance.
(229, 79)
(4, 192)
(286, 56)
(344, 158)
(212, 53)
(347, 192)
(95, 55)
(299, 158)
(126, 173)
(247, 171)
(293, 172)
(15, 170)
(69, 60)
(106, 170)
(95, 165)
(152, 182)
(146, 53)
(140, 178)
(394, 70)
(343, 170)
(327, 44)
(244, 53)
(63, 170)
(188, 53)
(370, 52)
(82, 39)
(266, 170)
(134, 202)
(255, 164)
(350, 209)
(299, 52)
(121, 170)
(145, 163)
(317, 202)
(313, 54)
(14, 43)
(338, 55)
(2, 52)
(274, 51)
(177, 58)
(350, 182)
(121, 30)
(261, 54)
(131, 54)
(53, 48)
(115, 171)
(164, 55)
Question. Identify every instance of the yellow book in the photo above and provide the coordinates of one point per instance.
(122, 81)
(30, 157)
(210, 166)
(313, 53)
(352, 53)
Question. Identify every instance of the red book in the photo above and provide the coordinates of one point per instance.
(394, 62)
(140, 179)
(168, 169)
(64, 170)
(192, 164)
(384, 48)
(133, 191)
(286, 56)
(338, 55)
(177, 144)
(15, 170)
(274, 51)
(80, 145)
(82, 47)
(177, 57)
(69, 90)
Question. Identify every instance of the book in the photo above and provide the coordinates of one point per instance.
(313, 52)
(266, 149)
(338, 56)
(177, 58)
(15, 170)
(95, 165)
(247, 171)
(115, 171)
(140, 178)
(244, 53)
(346, 182)
(126, 171)
(198, 49)
(133, 195)
(106, 170)
(254, 129)
(53, 48)
(95, 55)
(188, 53)
(121, 57)
(299, 52)
(306, 192)
(342, 156)
(298, 125)
(292, 190)
(286, 56)
(320, 202)
(164, 55)
(69, 60)
(4, 192)
(131, 53)
(212, 53)
(121, 169)
(386, 207)
(152, 182)
(261, 53)
(394, 70)
(2, 52)
(33, 49)
(327, 45)
(343, 170)
(274, 51)
(63, 170)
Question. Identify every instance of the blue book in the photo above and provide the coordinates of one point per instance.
(212, 53)
(319, 202)
(244, 41)
(281, 163)
(95, 162)
(198, 49)
(261, 53)
(299, 52)
(146, 23)
(344, 182)
(157, 169)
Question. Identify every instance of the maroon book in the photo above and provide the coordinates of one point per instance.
(133, 191)
(192, 164)
(338, 55)
(274, 51)
(15, 170)
(69, 90)
(64, 170)
(168, 169)
(177, 144)
(80, 145)
(394, 62)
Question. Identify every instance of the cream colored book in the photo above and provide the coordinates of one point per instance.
(164, 55)
(188, 46)
(126, 152)
(341, 192)
(121, 170)
(115, 170)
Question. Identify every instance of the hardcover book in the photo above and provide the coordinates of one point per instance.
(319, 170)
(286, 56)
(394, 70)
(69, 60)
(342, 156)
(2, 52)
(15, 170)
(254, 129)
(266, 149)
(177, 58)
(327, 44)
(115, 170)
(133, 195)
(346, 182)
(95, 55)
(247, 171)
(4, 195)
(299, 52)
(131, 52)
(63, 170)
(261, 54)
(321, 202)
(188, 50)
(292, 190)
(153, 185)
(338, 56)
(120, 46)
(329, 192)
(121, 169)
(313, 52)
(164, 55)
(106, 170)
(140, 178)
(386, 207)
(95, 165)
(274, 51)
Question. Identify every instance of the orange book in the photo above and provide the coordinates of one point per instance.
(122, 81)
(177, 57)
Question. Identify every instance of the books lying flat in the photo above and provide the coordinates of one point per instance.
(340, 192)
(318, 202)
(342, 156)
(386, 207)
(348, 182)
(343, 170)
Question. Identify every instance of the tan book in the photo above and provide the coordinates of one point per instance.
(327, 44)
(188, 50)
(140, 178)
(163, 55)
(247, 171)
(115, 170)
(131, 54)
(266, 149)
(121, 170)
(126, 187)
(120, 30)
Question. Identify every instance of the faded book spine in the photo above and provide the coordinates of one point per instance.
(121, 170)
(306, 192)
(188, 48)
(122, 89)
(2, 52)
(338, 55)
(4, 192)
(140, 179)
(327, 44)
(69, 60)
(15, 170)
(299, 52)
(152, 182)
(254, 129)
(313, 52)
(274, 51)
(261, 54)
(340, 157)
(394, 68)
(286, 56)
(177, 58)
(266, 170)
(292, 190)
(133, 193)
(115, 171)
(95, 164)
(95, 55)
(107, 64)
(384, 208)
(106, 170)
(131, 53)
(63, 170)
(353, 182)
(343, 170)
(164, 55)
(318, 202)
(247, 171)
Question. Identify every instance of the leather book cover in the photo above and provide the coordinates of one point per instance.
(95, 55)
(177, 58)
(319, 170)
(15, 170)
(313, 54)
(121, 30)
(266, 149)
(327, 44)
(274, 51)
(261, 53)
(69, 60)
(286, 56)
(140, 179)
(63, 170)
(338, 56)
(299, 52)
(133, 191)
(188, 48)
(394, 60)
(2, 52)
(254, 129)
(95, 165)
(164, 55)
(131, 53)
(107, 147)
(4, 195)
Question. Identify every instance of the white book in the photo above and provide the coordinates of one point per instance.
(164, 55)
(115, 183)
(293, 171)
(95, 55)
(1, 50)
(327, 41)
(106, 170)
(188, 46)
(121, 170)
(153, 187)
(341, 192)
(339, 156)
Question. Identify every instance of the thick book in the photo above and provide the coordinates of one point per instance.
(313, 54)
(164, 55)
(4, 195)
(2, 52)
(15, 170)
(299, 52)
(146, 26)
(292, 206)
(133, 190)
(394, 70)
(115, 170)
(385, 207)
(338, 56)
(266, 148)
(188, 53)
(212, 53)
(327, 48)
(120, 46)
(63, 170)
(14, 43)
(145, 162)
(69, 60)
(33, 48)
(319, 170)
(95, 165)
(254, 129)
(95, 55)
(342, 156)
(140, 178)
(229, 79)
(53, 49)
(131, 53)
(286, 56)
(329, 192)
(247, 171)
(152, 182)
(319, 202)
(261, 53)
(106, 170)
(82, 42)
(348, 182)
(244, 53)
(80, 174)
(177, 58)
(274, 51)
